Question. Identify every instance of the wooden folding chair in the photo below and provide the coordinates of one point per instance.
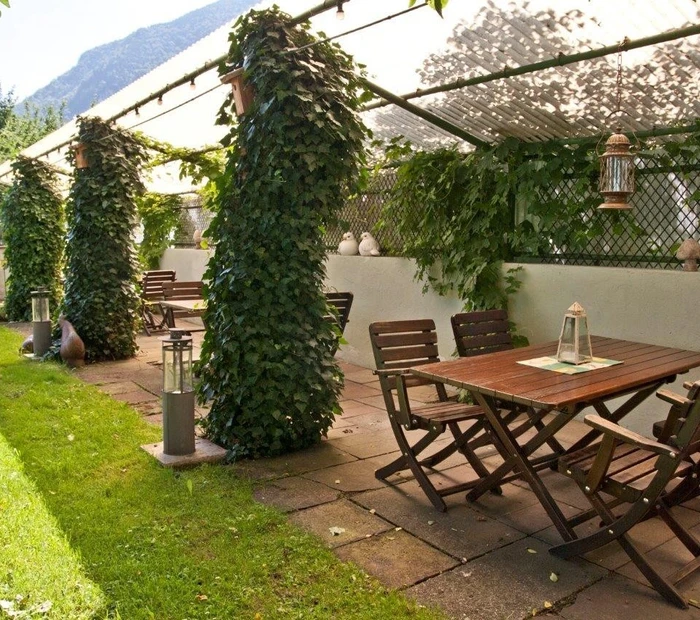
(488, 331)
(645, 476)
(339, 303)
(151, 294)
(397, 346)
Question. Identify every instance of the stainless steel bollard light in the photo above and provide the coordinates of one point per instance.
(178, 394)
(41, 322)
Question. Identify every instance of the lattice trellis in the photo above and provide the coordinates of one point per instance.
(193, 216)
(666, 210)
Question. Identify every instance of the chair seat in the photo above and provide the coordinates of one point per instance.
(444, 413)
(629, 473)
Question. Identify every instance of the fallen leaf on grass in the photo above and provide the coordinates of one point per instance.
(202, 597)
(336, 531)
(554, 577)
(529, 550)
(71, 437)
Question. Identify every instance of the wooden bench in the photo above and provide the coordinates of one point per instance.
(181, 290)
(152, 293)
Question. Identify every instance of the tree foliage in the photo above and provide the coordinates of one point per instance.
(20, 130)
(267, 358)
(100, 292)
(159, 215)
(33, 229)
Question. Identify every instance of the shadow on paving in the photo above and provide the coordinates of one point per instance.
(480, 561)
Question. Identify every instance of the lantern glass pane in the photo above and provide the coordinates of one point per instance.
(177, 368)
(617, 174)
(40, 308)
(567, 341)
(584, 342)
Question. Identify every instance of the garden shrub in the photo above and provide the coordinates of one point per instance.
(101, 299)
(34, 231)
(267, 360)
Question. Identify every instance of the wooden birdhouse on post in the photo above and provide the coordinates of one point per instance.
(81, 160)
(243, 93)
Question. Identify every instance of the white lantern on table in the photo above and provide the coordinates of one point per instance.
(575, 340)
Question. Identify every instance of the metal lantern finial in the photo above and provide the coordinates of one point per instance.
(575, 341)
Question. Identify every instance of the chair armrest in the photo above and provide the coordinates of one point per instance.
(627, 436)
(673, 398)
(391, 372)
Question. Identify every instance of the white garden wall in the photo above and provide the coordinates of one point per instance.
(655, 306)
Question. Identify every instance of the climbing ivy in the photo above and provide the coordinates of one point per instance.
(33, 229)
(100, 293)
(267, 358)
(159, 215)
(465, 227)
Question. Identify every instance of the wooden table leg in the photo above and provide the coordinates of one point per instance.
(520, 461)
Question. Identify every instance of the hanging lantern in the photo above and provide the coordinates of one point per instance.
(617, 172)
(575, 341)
(81, 160)
(178, 394)
(41, 322)
(243, 94)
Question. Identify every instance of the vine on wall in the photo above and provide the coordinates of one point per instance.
(267, 358)
(33, 229)
(160, 216)
(100, 291)
(457, 212)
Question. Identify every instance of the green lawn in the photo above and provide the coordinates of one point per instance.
(146, 541)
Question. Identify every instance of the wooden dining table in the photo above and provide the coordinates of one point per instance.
(187, 305)
(495, 379)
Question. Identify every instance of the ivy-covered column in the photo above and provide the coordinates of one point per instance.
(33, 229)
(100, 292)
(267, 358)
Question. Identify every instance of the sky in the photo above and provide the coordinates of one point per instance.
(41, 39)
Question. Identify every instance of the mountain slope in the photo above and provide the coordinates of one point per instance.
(106, 69)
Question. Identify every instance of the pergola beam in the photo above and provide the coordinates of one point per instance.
(560, 60)
(425, 115)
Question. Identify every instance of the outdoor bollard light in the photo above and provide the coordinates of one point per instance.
(575, 341)
(178, 394)
(41, 322)
(616, 172)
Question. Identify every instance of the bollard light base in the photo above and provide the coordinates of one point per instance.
(205, 451)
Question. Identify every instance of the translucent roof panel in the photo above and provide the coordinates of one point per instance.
(410, 51)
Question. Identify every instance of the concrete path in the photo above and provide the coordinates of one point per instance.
(480, 561)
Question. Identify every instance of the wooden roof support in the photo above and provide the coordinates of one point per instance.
(425, 115)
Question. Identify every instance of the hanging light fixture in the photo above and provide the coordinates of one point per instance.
(616, 182)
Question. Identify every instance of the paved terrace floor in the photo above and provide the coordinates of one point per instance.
(478, 561)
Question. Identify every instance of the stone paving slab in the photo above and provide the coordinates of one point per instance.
(510, 582)
(318, 457)
(396, 558)
(354, 408)
(289, 494)
(619, 598)
(352, 477)
(355, 522)
(460, 532)
(137, 395)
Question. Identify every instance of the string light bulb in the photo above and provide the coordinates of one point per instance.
(160, 100)
(192, 84)
(340, 14)
(136, 111)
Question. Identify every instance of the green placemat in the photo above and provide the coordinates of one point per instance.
(551, 363)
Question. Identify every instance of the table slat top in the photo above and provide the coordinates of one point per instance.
(500, 375)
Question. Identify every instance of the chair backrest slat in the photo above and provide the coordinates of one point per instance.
(341, 302)
(477, 333)
(152, 283)
(181, 289)
(404, 344)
